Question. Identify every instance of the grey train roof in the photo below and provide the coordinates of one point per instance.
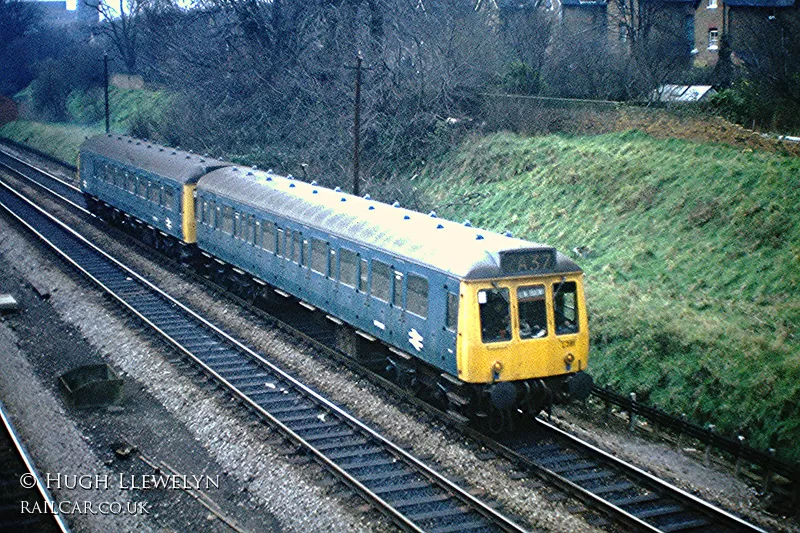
(462, 251)
(177, 165)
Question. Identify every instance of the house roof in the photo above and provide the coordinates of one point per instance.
(584, 3)
(759, 3)
(683, 93)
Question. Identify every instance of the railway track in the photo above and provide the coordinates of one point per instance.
(22, 488)
(622, 492)
(412, 494)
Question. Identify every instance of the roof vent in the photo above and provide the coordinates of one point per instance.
(173, 152)
(508, 234)
(130, 141)
(344, 199)
(160, 149)
(292, 185)
(367, 197)
(396, 204)
(269, 171)
(315, 191)
(249, 172)
(372, 208)
(138, 143)
(290, 177)
(467, 223)
(337, 189)
(254, 167)
(188, 157)
(235, 169)
(407, 217)
(149, 145)
(202, 159)
(269, 178)
(432, 214)
(314, 183)
(206, 154)
(479, 237)
(440, 226)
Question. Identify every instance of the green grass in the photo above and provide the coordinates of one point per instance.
(693, 262)
(59, 140)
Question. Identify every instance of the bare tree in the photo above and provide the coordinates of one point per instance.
(121, 24)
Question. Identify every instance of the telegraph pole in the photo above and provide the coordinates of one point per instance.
(357, 127)
(105, 76)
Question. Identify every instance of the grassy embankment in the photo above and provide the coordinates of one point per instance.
(692, 255)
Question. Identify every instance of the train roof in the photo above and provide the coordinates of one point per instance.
(177, 165)
(460, 250)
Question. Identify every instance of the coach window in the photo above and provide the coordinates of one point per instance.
(532, 312)
(130, 182)
(300, 250)
(319, 256)
(169, 198)
(495, 315)
(452, 311)
(364, 277)
(565, 300)
(239, 226)
(251, 229)
(210, 211)
(141, 188)
(348, 267)
(227, 220)
(279, 243)
(417, 295)
(268, 236)
(381, 281)
(397, 294)
(154, 193)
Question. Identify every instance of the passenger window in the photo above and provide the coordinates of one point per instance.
(363, 278)
(348, 267)
(238, 226)
(268, 236)
(300, 250)
(251, 229)
(452, 311)
(319, 256)
(565, 304)
(154, 193)
(210, 211)
(397, 295)
(532, 312)
(227, 220)
(141, 188)
(381, 281)
(280, 244)
(169, 198)
(495, 315)
(417, 295)
(130, 182)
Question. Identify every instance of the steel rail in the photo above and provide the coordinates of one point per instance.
(40, 485)
(436, 502)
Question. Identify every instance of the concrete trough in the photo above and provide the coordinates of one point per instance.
(8, 303)
(92, 386)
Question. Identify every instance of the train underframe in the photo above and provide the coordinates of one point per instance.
(495, 407)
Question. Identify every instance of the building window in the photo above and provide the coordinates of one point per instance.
(713, 39)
